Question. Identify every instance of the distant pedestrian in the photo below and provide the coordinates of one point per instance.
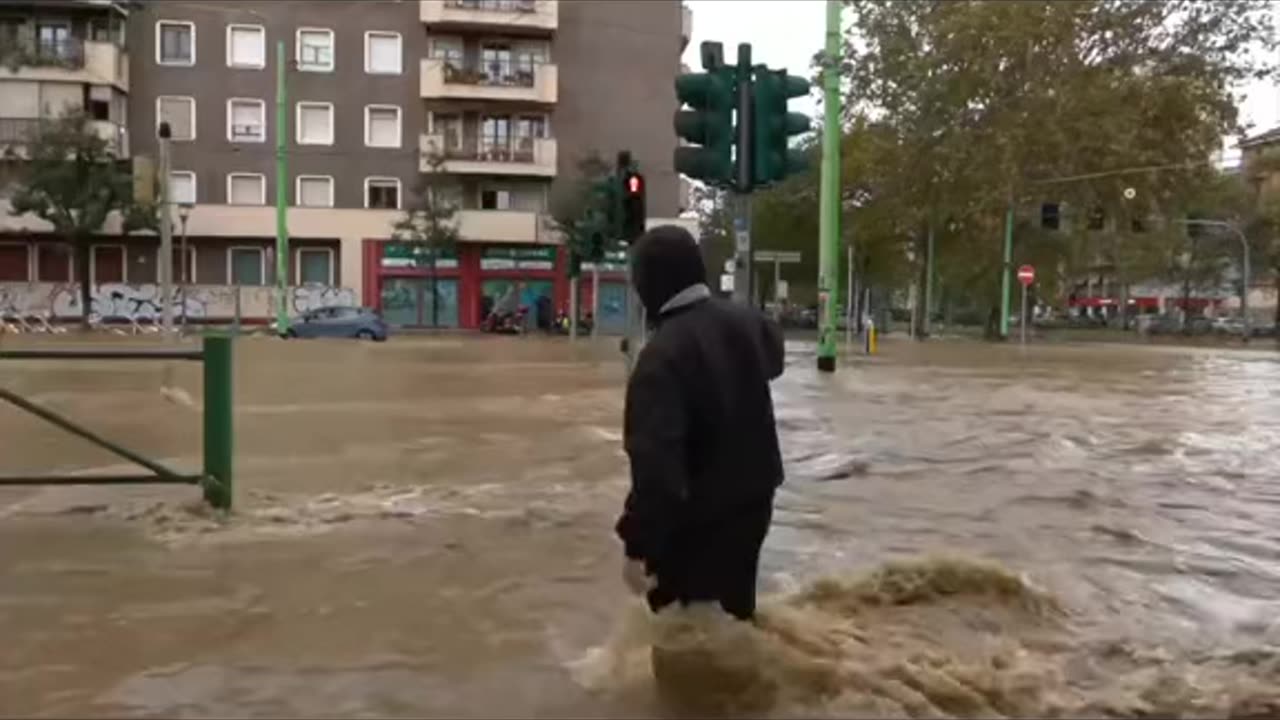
(700, 434)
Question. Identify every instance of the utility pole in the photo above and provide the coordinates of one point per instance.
(829, 210)
(743, 180)
(1006, 269)
(165, 269)
(282, 194)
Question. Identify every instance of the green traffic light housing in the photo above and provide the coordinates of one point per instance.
(773, 159)
(708, 126)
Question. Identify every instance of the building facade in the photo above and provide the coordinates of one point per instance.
(502, 96)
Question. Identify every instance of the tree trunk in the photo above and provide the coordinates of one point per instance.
(80, 247)
(1276, 322)
(1186, 304)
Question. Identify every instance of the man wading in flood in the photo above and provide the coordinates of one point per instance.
(700, 432)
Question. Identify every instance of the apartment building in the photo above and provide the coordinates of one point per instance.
(508, 94)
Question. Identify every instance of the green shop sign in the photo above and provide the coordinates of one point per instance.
(413, 255)
(518, 258)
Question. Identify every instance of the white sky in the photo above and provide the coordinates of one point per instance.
(786, 34)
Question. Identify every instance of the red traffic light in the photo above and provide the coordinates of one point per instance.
(634, 185)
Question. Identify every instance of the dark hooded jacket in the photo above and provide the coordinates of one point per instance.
(699, 423)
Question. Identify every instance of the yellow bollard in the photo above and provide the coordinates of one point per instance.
(869, 338)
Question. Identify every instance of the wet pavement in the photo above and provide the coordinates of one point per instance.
(423, 527)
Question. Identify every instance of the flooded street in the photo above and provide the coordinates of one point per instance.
(424, 528)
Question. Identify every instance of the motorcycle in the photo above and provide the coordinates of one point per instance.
(506, 323)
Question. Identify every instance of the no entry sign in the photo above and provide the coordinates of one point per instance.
(1026, 275)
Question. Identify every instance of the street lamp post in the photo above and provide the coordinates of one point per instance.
(184, 212)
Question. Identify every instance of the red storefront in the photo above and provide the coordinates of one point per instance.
(401, 284)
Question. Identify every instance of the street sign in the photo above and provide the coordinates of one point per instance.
(1026, 275)
(779, 256)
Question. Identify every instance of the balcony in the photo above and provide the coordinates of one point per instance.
(69, 60)
(516, 156)
(16, 132)
(442, 80)
(534, 17)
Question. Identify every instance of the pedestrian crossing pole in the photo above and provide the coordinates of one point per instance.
(829, 208)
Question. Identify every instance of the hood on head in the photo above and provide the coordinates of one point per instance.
(665, 261)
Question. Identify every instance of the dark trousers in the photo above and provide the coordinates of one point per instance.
(715, 558)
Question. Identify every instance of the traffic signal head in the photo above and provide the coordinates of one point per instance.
(774, 126)
(708, 126)
(633, 205)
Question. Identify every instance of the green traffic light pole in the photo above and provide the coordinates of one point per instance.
(829, 219)
(745, 139)
(282, 211)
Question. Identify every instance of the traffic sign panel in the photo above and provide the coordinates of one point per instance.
(1026, 274)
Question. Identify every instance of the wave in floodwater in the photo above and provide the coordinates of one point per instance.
(936, 637)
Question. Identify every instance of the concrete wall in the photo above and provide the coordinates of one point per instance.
(618, 61)
(145, 304)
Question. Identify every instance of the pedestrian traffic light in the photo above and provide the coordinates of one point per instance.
(774, 126)
(633, 205)
(709, 125)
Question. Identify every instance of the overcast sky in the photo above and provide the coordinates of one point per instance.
(786, 34)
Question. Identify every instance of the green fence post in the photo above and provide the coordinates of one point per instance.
(218, 435)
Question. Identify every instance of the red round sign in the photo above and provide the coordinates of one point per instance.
(1026, 274)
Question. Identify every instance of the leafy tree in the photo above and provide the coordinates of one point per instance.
(715, 229)
(571, 201)
(70, 177)
(968, 108)
(428, 224)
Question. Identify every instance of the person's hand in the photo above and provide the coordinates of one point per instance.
(636, 577)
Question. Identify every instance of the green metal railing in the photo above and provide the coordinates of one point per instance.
(215, 480)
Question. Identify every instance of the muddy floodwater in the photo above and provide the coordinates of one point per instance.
(424, 528)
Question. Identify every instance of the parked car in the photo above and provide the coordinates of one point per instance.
(339, 322)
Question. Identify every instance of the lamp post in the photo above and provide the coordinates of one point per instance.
(184, 212)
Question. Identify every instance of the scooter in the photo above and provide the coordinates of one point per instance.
(506, 324)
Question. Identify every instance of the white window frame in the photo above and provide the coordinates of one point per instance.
(262, 105)
(191, 271)
(297, 189)
(297, 263)
(231, 63)
(297, 49)
(195, 186)
(35, 261)
(399, 55)
(31, 253)
(262, 264)
(93, 261)
(262, 200)
(368, 114)
(193, 114)
(384, 178)
(192, 27)
(297, 115)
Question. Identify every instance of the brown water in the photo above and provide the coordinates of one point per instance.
(424, 528)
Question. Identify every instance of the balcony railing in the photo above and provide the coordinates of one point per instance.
(513, 150)
(493, 74)
(18, 130)
(524, 6)
(67, 53)
(491, 156)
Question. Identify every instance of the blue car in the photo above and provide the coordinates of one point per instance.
(339, 322)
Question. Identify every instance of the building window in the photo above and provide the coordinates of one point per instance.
(176, 42)
(315, 50)
(53, 262)
(314, 266)
(382, 53)
(246, 265)
(246, 46)
(182, 187)
(53, 41)
(314, 191)
(106, 264)
(491, 199)
(315, 123)
(246, 189)
(15, 262)
(448, 50)
(180, 113)
(382, 193)
(382, 126)
(246, 120)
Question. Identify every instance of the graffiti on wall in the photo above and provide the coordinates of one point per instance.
(144, 302)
